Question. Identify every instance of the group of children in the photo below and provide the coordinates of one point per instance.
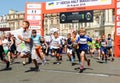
(83, 45)
(34, 46)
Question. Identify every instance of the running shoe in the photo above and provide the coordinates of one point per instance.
(35, 68)
(7, 64)
(88, 62)
(81, 69)
(73, 64)
(24, 63)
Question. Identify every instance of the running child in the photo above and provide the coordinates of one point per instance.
(70, 48)
(55, 45)
(82, 41)
(103, 48)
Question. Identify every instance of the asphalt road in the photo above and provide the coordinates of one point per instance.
(98, 72)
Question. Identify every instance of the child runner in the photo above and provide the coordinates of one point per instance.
(75, 47)
(91, 47)
(36, 49)
(70, 48)
(103, 48)
(12, 47)
(5, 44)
(37, 46)
(109, 46)
(2, 55)
(97, 46)
(26, 37)
(82, 41)
(44, 46)
(55, 45)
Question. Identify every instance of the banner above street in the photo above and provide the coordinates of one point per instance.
(77, 5)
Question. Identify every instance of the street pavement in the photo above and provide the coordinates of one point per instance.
(98, 72)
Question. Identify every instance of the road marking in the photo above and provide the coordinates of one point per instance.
(72, 72)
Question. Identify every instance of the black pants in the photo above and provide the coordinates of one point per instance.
(77, 52)
(1, 52)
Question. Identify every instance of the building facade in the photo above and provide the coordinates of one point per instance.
(4, 26)
(15, 18)
(103, 23)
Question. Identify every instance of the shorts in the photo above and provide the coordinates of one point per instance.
(86, 51)
(109, 47)
(103, 49)
(2, 56)
(38, 49)
(69, 50)
(25, 51)
(34, 54)
(60, 50)
(55, 50)
(6, 52)
(44, 50)
(12, 49)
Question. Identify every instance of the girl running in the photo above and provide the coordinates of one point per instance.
(2, 55)
(5, 44)
(12, 47)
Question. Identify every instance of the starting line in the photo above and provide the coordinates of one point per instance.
(84, 73)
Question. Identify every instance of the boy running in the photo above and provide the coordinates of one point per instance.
(103, 48)
(70, 48)
(82, 41)
(55, 45)
(109, 46)
(26, 37)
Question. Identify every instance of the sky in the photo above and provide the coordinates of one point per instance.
(18, 5)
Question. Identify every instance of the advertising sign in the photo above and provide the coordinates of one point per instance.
(77, 5)
(117, 29)
(34, 15)
(76, 17)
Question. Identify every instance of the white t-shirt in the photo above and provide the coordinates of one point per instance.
(55, 43)
(5, 44)
(26, 35)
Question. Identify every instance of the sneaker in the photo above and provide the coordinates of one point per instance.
(88, 62)
(112, 59)
(102, 58)
(43, 62)
(98, 58)
(7, 64)
(106, 61)
(24, 63)
(60, 59)
(73, 64)
(56, 63)
(81, 69)
(34, 68)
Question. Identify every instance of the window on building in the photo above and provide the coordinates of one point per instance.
(46, 21)
(51, 21)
